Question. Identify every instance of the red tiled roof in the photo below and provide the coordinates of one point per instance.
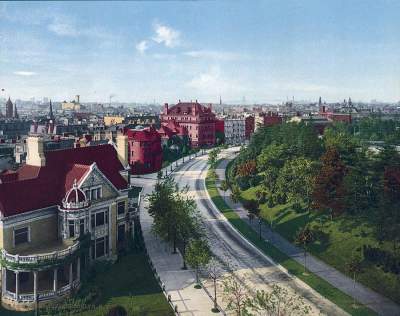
(40, 187)
(189, 108)
(147, 134)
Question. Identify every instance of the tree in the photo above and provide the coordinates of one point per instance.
(213, 156)
(247, 168)
(252, 208)
(295, 180)
(188, 222)
(198, 255)
(214, 273)
(235, 195)
(224, 187)
(175, 217)
(304, 238)
(328, 193)
(277, 302)
(235, 295)
(353, 266)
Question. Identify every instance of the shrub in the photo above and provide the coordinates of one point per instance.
(388, 261)
(117, 311)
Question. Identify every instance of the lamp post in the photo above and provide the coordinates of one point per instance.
(259, 226)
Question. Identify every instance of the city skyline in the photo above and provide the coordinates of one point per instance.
(265, 51)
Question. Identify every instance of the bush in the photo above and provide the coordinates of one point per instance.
(388, 261)
(117, 311)
(243, 183)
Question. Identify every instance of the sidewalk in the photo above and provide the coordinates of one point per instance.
(364, 295)
(179, 284)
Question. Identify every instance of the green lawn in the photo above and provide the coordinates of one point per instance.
(129, 283)
(321, 286)
(341, 238)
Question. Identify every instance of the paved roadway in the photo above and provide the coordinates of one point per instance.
(235, 253)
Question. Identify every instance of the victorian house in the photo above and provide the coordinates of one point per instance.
(60, 212)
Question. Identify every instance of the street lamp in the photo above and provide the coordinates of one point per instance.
(259, 226)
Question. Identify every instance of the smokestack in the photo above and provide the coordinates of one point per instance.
(77, 98)
(35, 151)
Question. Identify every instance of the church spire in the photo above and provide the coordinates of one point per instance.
(51, 115)
(15, 111)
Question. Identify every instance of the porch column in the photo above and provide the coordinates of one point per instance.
(78, 269)
(4, 280)
(17, 285)
(55, 279)
(70, 275)
(35, 284)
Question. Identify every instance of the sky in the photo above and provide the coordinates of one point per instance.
(257, 51)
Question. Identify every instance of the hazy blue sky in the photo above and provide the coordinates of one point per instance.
(262, 50)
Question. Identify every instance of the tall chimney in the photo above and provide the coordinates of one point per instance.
(35, 151)
(77, 98)
(122, 148)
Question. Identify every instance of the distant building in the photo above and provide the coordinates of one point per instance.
(71, 106)
(267, 119)
(113, 120)
(334, 116)
(145, 120)
(198, 119)
(9, 109)
(249, 126)
(170, 129)
(144, 152)
(235, 130)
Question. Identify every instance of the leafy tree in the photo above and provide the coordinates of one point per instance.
(277, 302)
(198, 255)
(235, 295)
(295, 180)
(304, 237)
(224, 186)
(354, 267)
(213, 157)
(175, 217)
(235, 195)
(247, 169)
(328, 193)
(252, 208)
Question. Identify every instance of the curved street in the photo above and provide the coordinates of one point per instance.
(235, 253)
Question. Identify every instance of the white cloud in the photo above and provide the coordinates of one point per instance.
(211, 54)
(166, 35)
(142, 46)
(24, 73)
(63, 27)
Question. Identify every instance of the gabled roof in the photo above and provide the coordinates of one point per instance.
(192, 108)
(148, 134)
(40, 187)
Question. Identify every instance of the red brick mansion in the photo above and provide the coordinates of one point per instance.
(198, 119)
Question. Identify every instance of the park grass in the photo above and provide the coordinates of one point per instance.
(129, 283)
(342, 238)
(321, 286)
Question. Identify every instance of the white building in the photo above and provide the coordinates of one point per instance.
(235, 130)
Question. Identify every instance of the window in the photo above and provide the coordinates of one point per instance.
(21, 235)
(100, 219)
(81, 226)
(99, 193)
(121, 208)
(92, 221)
(100, 249)
(93, 195)
(71, 228)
